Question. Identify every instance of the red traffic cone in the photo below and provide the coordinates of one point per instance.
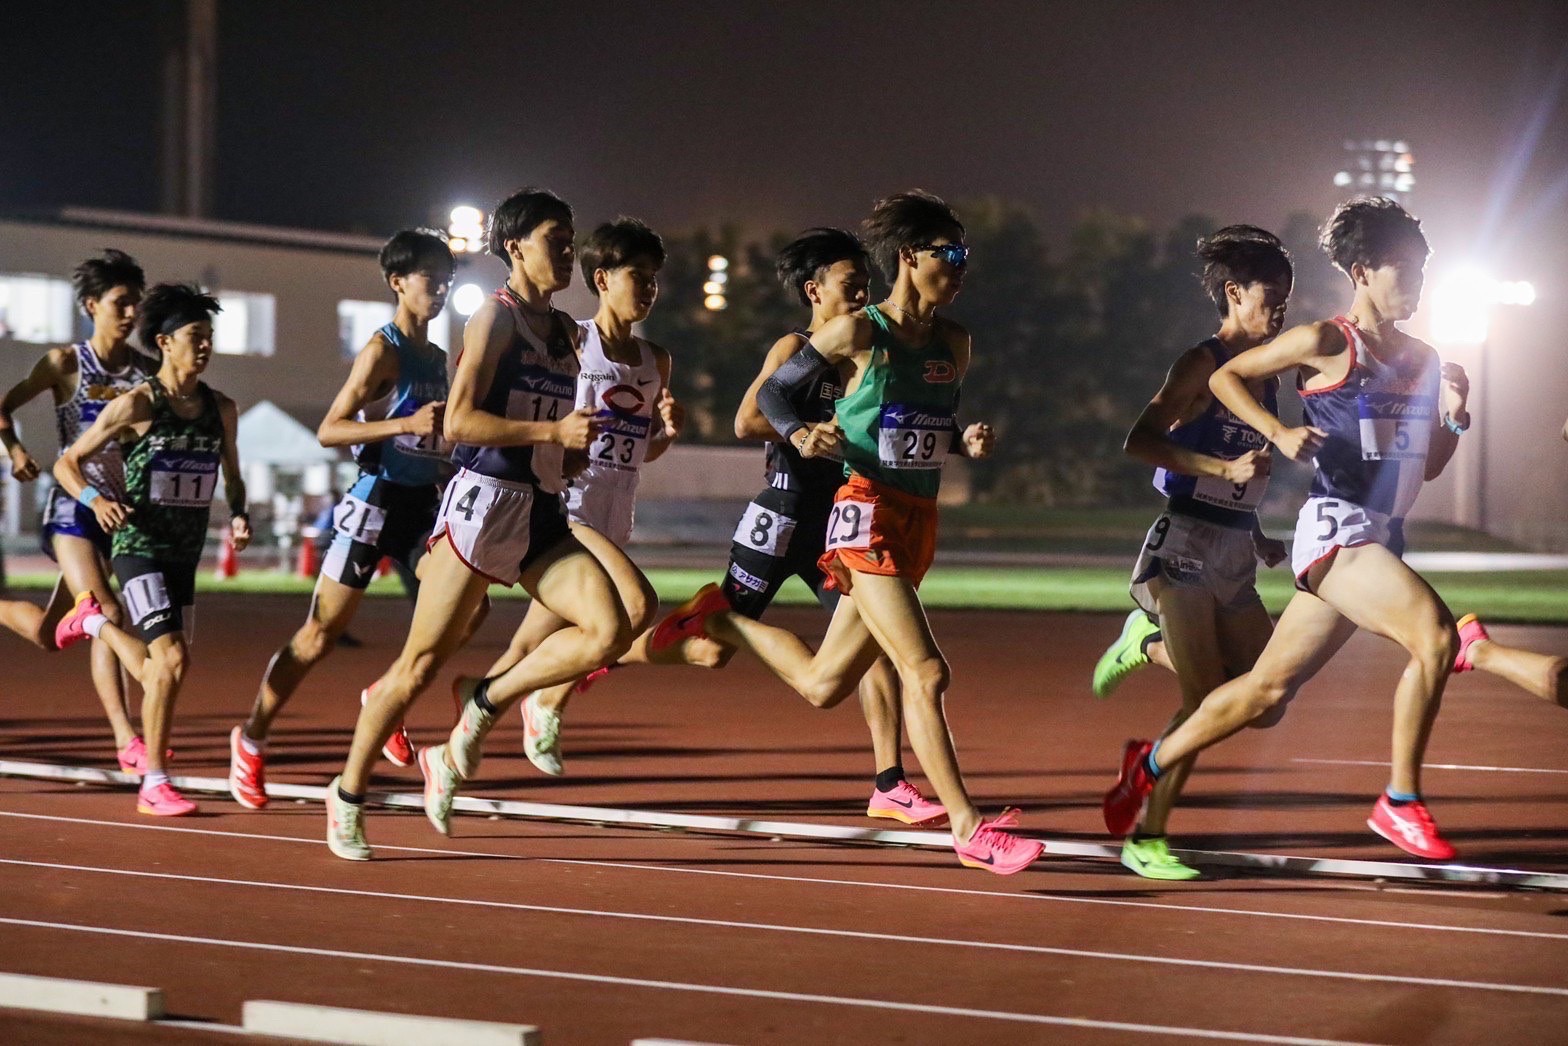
(228, 562)
(384, 567)
(308, 562)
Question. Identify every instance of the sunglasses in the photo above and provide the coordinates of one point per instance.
(955, 254)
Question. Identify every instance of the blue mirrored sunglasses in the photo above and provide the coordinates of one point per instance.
(955, 254)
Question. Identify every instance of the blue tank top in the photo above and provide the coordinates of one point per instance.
(534, 381)
(407, 460)
(1379, 424)
(1220, 434)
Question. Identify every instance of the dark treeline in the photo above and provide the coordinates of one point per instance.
(1069, 343)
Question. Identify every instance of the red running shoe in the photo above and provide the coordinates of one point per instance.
(399, 750)
(998, 851)
(1471, 632)
(1410, 827)
(247, 774)
(1124, 802)
(586, 682)
(690, 618)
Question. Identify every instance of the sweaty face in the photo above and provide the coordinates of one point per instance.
(116, 310)
(842, 287)
(1259, 307)
(1395, 285)
(937, 280)
(424, 291)
(548, 254)
(188, 346)
(629, 290)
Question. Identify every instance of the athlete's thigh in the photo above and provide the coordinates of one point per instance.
(1244, 632)
(891, 610)
(848, 649)
(447, 598)
(1187, 622)
(82, 565)
(1374, 588)
(571, 583)
(1308, 634)
(629, 581)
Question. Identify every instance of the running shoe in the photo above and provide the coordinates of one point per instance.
(996, 850)
(1471, 632)
(71, 629)
(586, 683)
(441, 783)
(1125, 656)
(247, 773)
(133, 757)
(1124, 801)
(903, 802)
(345, 826)
(542, 736)
(1410, 827)
(161, 800)
(473, 723)
(399, 750)
(1152, 859)
(689, 619)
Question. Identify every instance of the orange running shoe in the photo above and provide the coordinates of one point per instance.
(690, 618)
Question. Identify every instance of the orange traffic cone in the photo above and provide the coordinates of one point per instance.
(308, 563)
(228, 562)
(384, 567)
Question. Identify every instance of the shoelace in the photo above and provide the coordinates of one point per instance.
(549, 727)
(997, 839)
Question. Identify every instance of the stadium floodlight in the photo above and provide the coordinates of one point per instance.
(716, 286)
(1462, 304)
(467, 299)
(465, 229)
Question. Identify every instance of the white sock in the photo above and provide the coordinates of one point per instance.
(93, 625)
(251, 747)
(154, 778)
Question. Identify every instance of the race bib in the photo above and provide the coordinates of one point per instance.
(431, 446)
(1239, 497)
(1395, 427)
(764, 530)
(541, 395)
(182, 480)
(622, 444)
(144, 596)
(359, 520)
(850, 524)
(913, 437)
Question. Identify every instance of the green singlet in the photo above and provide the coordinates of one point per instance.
(898, 422)
(170, 476)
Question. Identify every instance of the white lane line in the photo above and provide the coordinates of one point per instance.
(1435, 766)
(685, 986)
(896, 938)
(818, 881)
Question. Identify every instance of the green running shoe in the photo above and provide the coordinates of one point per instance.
(1126, 655)
(1152, 859)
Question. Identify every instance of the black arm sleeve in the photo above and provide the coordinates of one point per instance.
(797, 373)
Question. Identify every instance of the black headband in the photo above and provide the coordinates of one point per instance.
(182, 316)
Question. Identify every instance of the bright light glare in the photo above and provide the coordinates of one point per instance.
(1343, 179)
(718, 263)
(467, 299)
(713, 287)
(1520, 292)
(1461, 309)
(466, 215)
(715, 302)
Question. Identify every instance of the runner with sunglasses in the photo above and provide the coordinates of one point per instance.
(895, 428)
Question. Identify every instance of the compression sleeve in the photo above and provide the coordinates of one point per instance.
(795, 375)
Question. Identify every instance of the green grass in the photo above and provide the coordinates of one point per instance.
(1516, 596)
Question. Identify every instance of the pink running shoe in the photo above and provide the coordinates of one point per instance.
(247, 774)
(1124, 801)
(689, 619)
(399, 750)
(70, 630)
(998, 851)
(162, 800)
(586, 683)
(1410, 827)
(903, 802)
(133, 757)
(1471, 632)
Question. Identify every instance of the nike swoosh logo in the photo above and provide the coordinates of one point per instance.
(906, 806)
(645, 381)
(987, 859)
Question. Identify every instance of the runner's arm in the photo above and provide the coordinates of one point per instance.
(373, 375)
(1318, 347)
(233, 476)
(1186, 386)
(667, 410)
(1453, 395)
(838, 340)
(47, 373)
(117, 421)
(750, 422)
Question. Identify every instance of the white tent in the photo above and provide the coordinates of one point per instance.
(273, 443)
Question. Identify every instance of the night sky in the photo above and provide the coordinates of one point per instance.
(370, 116)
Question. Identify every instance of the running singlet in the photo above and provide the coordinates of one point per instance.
(1220, 434)
(171, 473)
(623, 395)
(898, 422)
(786, 469)
(1379, 424)
(407, 460)
(534, 381)
(96, 385)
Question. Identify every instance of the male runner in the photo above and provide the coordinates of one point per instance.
(1197, 572)
(83, 379)
(175, 433)
(895, 427)
(390, 410)
(1383, 414)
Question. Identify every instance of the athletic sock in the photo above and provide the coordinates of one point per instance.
(1152, 637)
(1398, 798)
(1143, 837)
(251, 746)
(153, 778)
(482, 697)
(1150, 763)
(888, 779)
(350, 798)
(94, 624)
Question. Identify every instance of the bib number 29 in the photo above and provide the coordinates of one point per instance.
(850, 525)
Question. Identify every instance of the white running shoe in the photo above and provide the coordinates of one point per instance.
(542, 736)
(468, 736)
(345, 826)
(441, 783)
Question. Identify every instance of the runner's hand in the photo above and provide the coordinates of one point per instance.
(23, 467)
(1271, 551)
(823, 440)
(1456, 393)
(1250, 465)
(979, 439)
(111, 514)
(1300, 444)
(577, 429)
(239, 532)
(671, 413)
(426, 421)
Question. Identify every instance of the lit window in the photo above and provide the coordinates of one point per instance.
(246, 324)
(36, 308)
(358, 320)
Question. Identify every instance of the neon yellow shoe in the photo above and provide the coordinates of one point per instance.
(1126, 655)
(1152, 859)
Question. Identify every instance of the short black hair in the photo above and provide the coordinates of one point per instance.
(172, 303)
(1244, 255)
(520, 214)
(616, 244)
(907, 219)
(808, 255)
(408, 249)
(96, 277)
(1369, 229)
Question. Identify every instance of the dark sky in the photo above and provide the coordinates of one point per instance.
(369, 116)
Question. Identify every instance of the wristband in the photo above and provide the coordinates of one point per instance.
(1453, 426)
(88, 496)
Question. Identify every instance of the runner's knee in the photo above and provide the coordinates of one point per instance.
(313, 642)
(926, 679)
